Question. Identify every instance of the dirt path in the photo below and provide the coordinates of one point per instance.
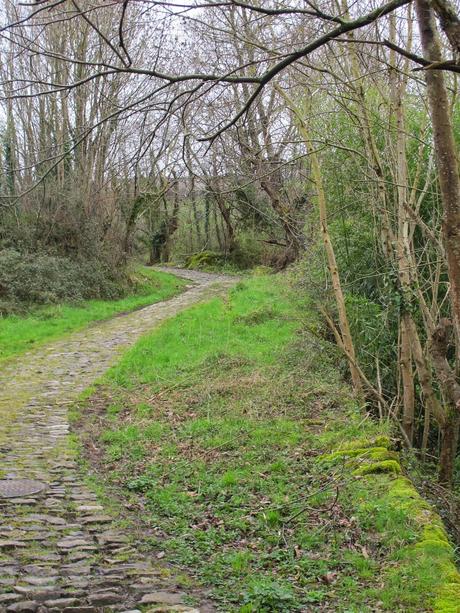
(60, 550)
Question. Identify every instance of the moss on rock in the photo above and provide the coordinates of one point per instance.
(432, 549)
(384, 466)
(203, 259)
(448, 600)
(363, 459)
(378, 441)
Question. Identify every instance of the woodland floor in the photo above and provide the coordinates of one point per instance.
(61, 549)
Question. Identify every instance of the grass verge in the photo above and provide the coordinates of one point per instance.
(230, 433)
(18, 334)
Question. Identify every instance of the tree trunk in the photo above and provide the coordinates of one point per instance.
(449, 444)
(446, 155)
(450, 387)
(227, 220)
(344, 325)
(407, 379)
(449, 181)
(294, 242)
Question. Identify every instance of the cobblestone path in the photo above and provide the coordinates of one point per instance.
(60, 550)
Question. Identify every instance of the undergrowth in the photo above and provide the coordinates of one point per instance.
(230, 432)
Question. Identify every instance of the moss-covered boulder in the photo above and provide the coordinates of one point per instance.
(204, 259)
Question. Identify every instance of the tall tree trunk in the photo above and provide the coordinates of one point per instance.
(220, 238)
(446, 155)
(226, 219)
(294, 242)
(344, 325)
(450, 420)
(449, 181)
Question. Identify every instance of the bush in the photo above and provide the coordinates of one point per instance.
(46, 279)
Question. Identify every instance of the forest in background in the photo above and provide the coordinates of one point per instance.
(322, 136)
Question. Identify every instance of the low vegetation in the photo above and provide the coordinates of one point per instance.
(22, 331)
(230, 433)
(30, 279)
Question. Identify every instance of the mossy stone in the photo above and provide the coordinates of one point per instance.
(385, 466)
(448, 600)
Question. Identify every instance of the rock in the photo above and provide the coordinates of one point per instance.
(88, 508)
(148, 579)
(97, 519)
(69, 527)
(76, 569)
(42, 593)
(40, 580)
(49, 519)
(78, 582)
(178, 608)
(112, 538)
(38, 571)
(61, 603)
(4, 598)
(106, 598)
(71, 543)
(121, 566)
(84, 497)
(162, 598)
(78, 556)
(47, 557)
(11, 544)
(26, 606)
(38, 536)
(146, 587)
(9, 570)
(108, 584)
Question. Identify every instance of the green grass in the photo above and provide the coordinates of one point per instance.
(210, 332)
(221, 424)
(18, 334)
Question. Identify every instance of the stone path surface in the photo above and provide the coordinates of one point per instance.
(60, 550)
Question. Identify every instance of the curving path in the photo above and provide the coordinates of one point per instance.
(60, 550)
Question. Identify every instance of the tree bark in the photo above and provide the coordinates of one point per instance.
(449, 181)
(448, 452)
(446, 155)
(408, 418)
(451, 389)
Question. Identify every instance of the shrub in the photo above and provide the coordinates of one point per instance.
(47, 279)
